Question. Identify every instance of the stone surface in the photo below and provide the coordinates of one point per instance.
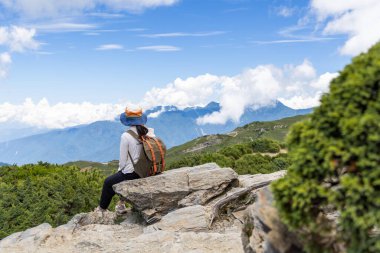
(98, 217)
(192, 218)
(248, 180)
(26, 241)
(268, 233)
(179, 202)
(116, 238)
(156, 196)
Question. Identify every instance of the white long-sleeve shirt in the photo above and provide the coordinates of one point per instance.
(129, 144)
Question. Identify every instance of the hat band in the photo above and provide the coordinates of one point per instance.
(133, 114)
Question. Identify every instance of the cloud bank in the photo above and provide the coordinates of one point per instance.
(298, 86)
(357, 19)
(44, 115)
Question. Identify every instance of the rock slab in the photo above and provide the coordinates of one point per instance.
(158, 195)
(264, 232)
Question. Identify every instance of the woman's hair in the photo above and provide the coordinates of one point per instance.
(141, 130)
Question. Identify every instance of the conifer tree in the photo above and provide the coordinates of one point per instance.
(336, 164)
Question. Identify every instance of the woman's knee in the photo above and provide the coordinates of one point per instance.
(108, 182)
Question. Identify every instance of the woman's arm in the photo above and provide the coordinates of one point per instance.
(123, 152)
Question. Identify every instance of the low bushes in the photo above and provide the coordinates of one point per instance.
(244, 158)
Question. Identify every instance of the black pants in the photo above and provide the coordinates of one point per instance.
(108, 192)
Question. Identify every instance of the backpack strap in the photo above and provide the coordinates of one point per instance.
(130, 157)
(134, 135)
(152, 153)
(161, 153)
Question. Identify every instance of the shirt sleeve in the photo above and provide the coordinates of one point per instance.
(123, 152)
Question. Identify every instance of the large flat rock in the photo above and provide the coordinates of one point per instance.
(156, 196)
(192, 218)
(97, 238)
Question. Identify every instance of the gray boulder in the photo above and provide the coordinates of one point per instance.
(158, 195)
(263, 230)
(192, 218)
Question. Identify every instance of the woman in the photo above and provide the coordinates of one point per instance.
(135, 119)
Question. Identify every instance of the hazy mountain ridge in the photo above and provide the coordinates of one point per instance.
(99, 141)
(12, 131)
(275, 130)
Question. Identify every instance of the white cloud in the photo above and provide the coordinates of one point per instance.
(136, 5)
(92, 34)
(301, 102)
(297, 86)
(184, 92)
(5, 61)
(254, 88)
(60, 115)
(284, 11)
(182, 34)
(109, 47)
(357, 19)
(287, 41)
(304, 71)
(157, 113)
(15, 39)
(18, 39)
(160, 48)
(5, 58)
(48, 8)
(64, 27)
(106, 15)
(323, 82)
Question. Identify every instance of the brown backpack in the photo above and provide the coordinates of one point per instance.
(152, 156)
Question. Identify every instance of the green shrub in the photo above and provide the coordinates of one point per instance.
(336, 163)
(265, 146)
(198, 159)
(281, 161)
(221, 160)
(34, 194)
(188, 161)
(236, 151)
(254, 164)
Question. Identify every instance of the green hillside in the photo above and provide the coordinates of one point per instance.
(106, 168)
(275, 130)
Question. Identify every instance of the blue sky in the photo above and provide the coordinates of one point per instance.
(101, 52)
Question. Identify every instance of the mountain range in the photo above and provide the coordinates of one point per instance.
(99, 141)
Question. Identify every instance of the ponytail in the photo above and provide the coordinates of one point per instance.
(141, 130)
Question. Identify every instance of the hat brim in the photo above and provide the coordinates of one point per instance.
(133, 121)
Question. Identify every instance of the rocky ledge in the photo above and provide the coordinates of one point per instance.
(198, 209)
